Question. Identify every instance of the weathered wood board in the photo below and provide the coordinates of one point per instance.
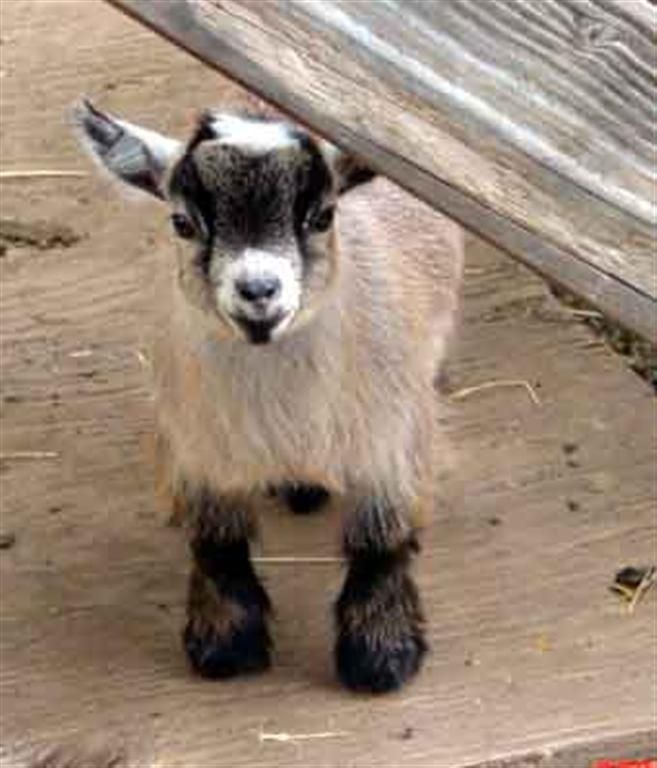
(534, 662)
(532, 123)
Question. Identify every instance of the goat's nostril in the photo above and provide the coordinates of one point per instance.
(258, 288)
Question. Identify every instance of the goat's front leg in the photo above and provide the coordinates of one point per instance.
(226, 632)
(380, 639)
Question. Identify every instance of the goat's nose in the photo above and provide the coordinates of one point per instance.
(258, 289)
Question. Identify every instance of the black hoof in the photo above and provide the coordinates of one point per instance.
(304, 499)
(246, 649)
(364, 664)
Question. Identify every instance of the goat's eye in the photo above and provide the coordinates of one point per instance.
(182, 226)
(323, 220)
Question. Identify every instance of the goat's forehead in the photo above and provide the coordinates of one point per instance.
(220, 165)
(234, 152)
(251, 159)
(251, 179)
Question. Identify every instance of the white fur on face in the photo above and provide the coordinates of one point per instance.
(255, 263)
(255, 136)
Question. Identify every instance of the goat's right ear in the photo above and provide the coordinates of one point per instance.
(137, 156)
(349, 171)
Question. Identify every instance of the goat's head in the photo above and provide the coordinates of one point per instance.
(252, 204)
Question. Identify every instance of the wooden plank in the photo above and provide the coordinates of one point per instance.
(531, 123)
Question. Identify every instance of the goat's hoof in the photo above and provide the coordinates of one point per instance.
(370, 664)
(214, 656)
(304, 499)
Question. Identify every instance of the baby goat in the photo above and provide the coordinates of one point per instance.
(304, 327)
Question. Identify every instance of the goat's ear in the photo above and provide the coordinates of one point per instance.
(137, 156)
(348, 169)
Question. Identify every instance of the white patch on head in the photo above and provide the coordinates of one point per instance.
(256, 136)
(256, 263)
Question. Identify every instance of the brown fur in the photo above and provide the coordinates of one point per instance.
(345, 401)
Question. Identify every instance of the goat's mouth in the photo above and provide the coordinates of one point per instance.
(262, 330)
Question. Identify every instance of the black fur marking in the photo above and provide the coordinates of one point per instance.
(380, 640)
(257, 332)
(186, 184)
(313, 183)
(304, 499)
(218, 519)
(376, 527)
(359, 175)
(362, 666)
(247, 199)
(204, 131)
(254, 200)
(226, 563)
(246, 648)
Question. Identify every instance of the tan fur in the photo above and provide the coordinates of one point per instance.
(346, 400)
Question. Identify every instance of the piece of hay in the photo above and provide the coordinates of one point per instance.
(633, 582)
(295, 738)
(291, 560)
(19, 455)
(143, 360)
(40, 174)
(583, 312)
(461, 394)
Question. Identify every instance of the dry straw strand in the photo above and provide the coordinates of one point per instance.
(37, 173)
(461, 394)
(18, 455)
(295, 738)
(292, 560)
(646, 582)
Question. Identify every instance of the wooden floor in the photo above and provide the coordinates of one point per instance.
(534, 662)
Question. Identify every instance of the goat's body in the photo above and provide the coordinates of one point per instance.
(346, 401)
(297, 353)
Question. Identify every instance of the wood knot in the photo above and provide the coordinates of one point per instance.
(591, 34)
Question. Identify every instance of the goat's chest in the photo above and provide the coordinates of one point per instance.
(321, 413)
(269, 414)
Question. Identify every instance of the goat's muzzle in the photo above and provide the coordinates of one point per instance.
(263, 330)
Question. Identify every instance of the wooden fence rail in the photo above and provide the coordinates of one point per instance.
(532, 123)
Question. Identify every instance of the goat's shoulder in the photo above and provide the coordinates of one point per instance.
(384, 222)
(407, 259)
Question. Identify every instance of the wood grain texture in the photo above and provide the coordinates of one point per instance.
(534, 663)
(531, 123)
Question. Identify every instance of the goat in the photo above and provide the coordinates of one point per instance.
(309, 311)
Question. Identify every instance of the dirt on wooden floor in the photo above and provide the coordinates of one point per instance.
(534, 660)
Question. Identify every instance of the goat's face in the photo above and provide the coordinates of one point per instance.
(253, 207)
(255, 202)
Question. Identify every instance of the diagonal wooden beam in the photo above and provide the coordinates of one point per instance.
(533, 124)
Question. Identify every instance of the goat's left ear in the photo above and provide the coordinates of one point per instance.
(349, 170)
(137, 156)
